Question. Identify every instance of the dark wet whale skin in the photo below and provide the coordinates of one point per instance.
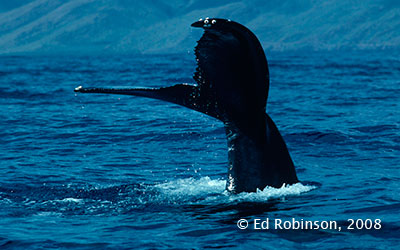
(232, 85)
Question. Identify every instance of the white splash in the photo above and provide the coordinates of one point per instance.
(70, 200)
(273, 193)
(207, 189)
(192, 187)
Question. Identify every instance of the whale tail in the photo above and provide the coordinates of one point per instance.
(232, 85)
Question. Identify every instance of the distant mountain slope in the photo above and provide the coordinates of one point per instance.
(124, 26)
(9, 5)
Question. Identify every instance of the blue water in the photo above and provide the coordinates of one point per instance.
(102, 171)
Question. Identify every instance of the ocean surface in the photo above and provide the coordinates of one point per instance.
(92, 171)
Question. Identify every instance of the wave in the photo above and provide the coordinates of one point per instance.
(126, 198)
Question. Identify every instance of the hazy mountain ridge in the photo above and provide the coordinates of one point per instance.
(124, 26)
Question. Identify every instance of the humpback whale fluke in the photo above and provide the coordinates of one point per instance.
(232, 85)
